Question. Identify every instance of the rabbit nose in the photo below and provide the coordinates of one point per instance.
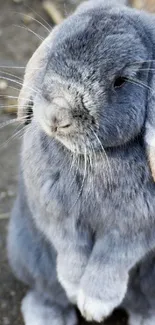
(60, 117)
(58, 123)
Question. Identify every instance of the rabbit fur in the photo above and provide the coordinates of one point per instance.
(82, 230)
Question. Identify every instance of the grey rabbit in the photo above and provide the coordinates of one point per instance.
(82, 230)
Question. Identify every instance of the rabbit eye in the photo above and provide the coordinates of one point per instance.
(119, 82)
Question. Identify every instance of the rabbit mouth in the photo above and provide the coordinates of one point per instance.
(76, 141)
(79, 146)
(78, 133)
(81, 143)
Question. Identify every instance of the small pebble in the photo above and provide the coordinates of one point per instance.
(17, 1)
(3, 304)
(6, 194)
(6, 321)
(3, 195)
(10, 193)
(3, 84)
(137, 4)
(28, 18)
(12, 293)
(10, 106)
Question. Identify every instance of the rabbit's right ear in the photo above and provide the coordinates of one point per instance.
(34, 74)
(115, 2)
(90, 4)
(150, 126)
(112, 2)
(120, 2)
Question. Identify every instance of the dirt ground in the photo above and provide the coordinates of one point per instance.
(16, 46)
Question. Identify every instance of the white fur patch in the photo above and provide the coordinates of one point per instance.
(92, 309)
(149, 321)
(36, 313)
(150, 135)
(32, 312)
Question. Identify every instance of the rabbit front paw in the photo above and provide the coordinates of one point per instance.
(99, 305)
(93, 309)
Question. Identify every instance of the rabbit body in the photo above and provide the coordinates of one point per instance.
(84, 219)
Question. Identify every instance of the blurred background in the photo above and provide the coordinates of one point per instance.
(23, 25)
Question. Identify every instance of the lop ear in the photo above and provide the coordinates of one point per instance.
(33, 77)
(150, 115)
(113, 2)
(150, 125)
(119, 2)
(86, 5)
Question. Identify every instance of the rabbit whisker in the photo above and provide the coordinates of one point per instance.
(141, 62)
(31, 31)
(139, 83)
(72, 163)
(7, 96)
(12, 121)
(75, 163)
(14, 88)
(15, 97)
(5, 106)
(90, 159)
(14, 136)
(39, 16)
(16, 67)
(83, 180)
(10, 74)
(94, 153)
(146, 69)
(90, 153)
(19, 83)
(105, 157)
(34, 19)
(65, 10)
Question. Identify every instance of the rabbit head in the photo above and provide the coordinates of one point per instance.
(91, 81)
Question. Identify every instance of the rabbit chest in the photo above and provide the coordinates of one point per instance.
(68, 195)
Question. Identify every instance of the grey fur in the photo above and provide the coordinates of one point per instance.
(86, 203)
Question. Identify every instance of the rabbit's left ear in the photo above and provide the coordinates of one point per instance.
(150, 115)
(34, 74)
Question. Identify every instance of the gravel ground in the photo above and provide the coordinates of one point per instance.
(16, 46)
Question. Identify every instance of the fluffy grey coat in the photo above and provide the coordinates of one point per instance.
(82, 229)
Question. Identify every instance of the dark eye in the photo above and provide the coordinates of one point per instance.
(119, 82)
